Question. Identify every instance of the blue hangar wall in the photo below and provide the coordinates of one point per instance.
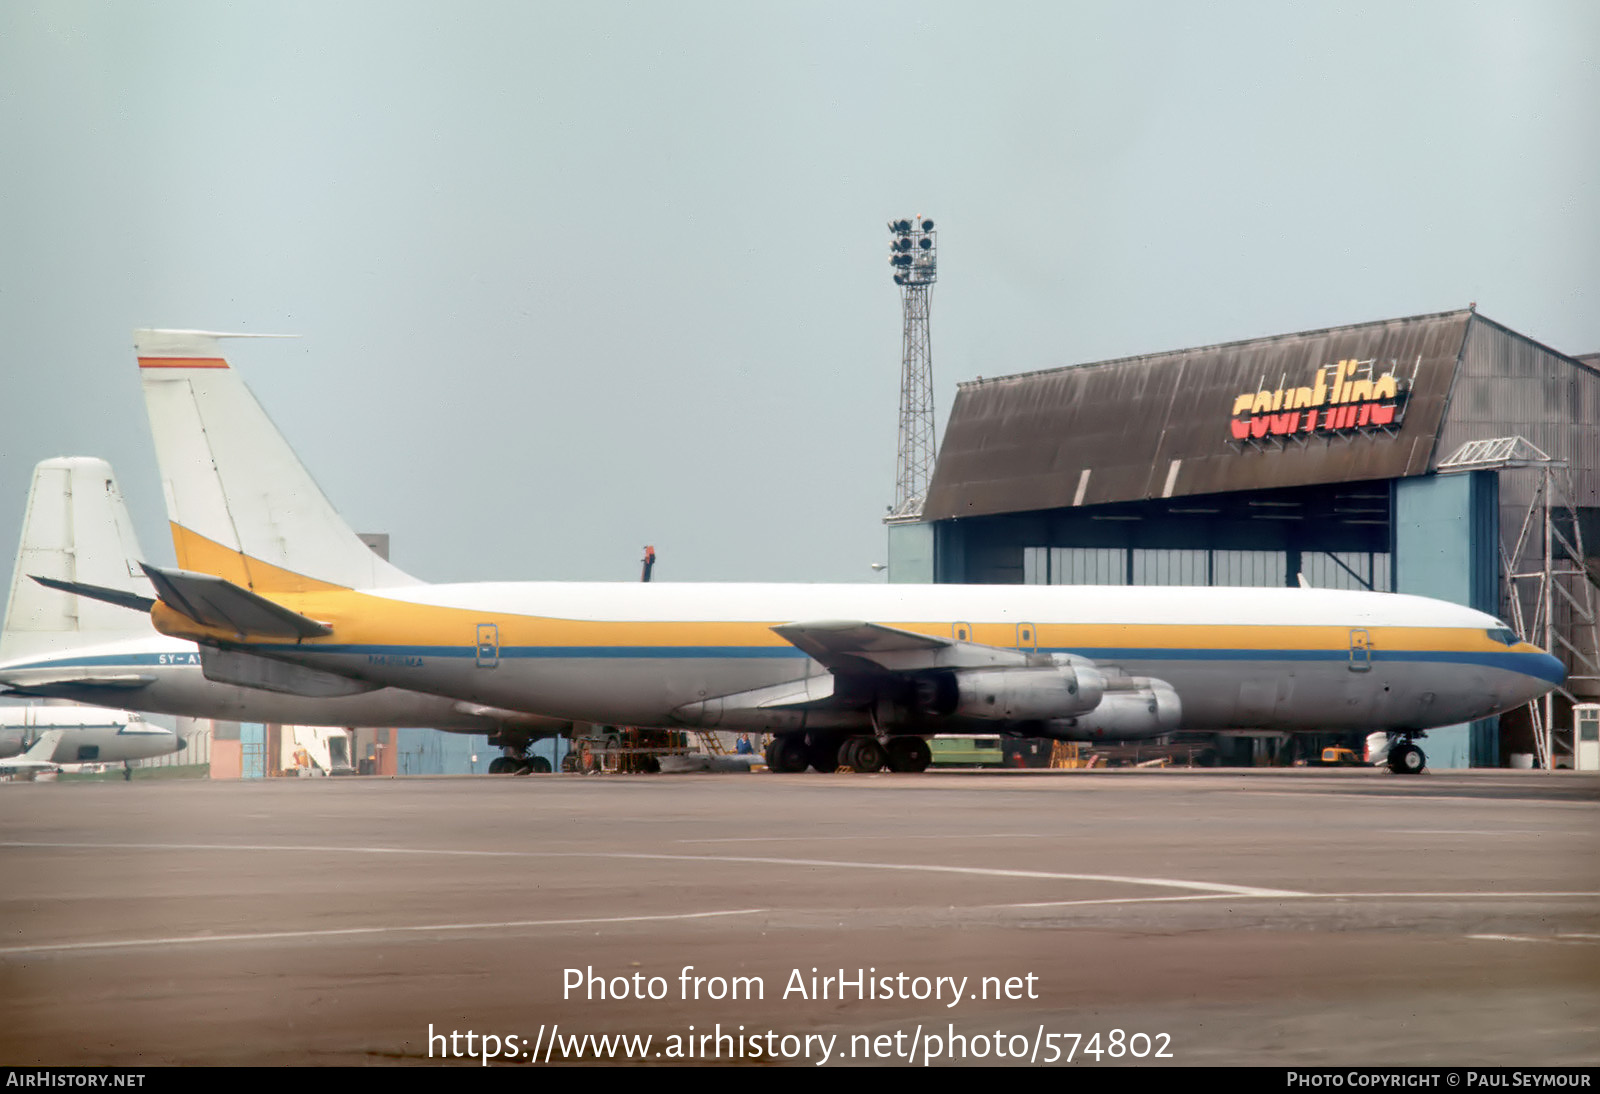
(435, 752)
(1446, 545)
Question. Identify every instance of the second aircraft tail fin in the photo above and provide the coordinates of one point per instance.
(76, 532)
(241, 504)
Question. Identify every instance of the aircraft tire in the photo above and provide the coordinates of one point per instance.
(909, 754)
(822, 750)
(787, 754)
(500, 765)
(539, 765)
(1407, 759)
(864, 754)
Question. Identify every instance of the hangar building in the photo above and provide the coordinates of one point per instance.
(1315, 454)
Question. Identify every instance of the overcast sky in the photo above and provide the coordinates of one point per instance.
(576, 277)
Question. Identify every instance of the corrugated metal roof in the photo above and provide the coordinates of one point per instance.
(1509, 385)
(1164, 425)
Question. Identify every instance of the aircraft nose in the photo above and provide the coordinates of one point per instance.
(1551, 668)
(1545, 668)
(183, 743)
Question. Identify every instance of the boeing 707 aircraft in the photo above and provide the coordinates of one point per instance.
(853, 674)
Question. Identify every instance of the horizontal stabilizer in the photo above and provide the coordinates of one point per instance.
(845, 646)
(249, 671)
(213, 602)
(120, 597)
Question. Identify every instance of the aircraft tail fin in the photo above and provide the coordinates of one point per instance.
(76, 531)
(241, 504)
(41, 754)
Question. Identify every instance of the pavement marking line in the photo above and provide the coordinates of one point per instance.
(1489, 894)
(824, 839)
(1558, 939)
(1271, 895)
(977, 871)
(1124, 900)
(908, 867)
(1418, 795)
(337, 932)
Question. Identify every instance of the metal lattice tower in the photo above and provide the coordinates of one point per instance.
(1549, 592)
(914, 258)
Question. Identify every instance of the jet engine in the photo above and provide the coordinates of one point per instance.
(1138, 707)
(1013, 694)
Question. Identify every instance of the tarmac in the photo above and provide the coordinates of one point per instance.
(1148, 918)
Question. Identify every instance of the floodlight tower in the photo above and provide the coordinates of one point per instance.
(914, 259)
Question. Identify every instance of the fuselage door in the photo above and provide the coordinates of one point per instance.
(1027, 636)
(488, 645)
(1360, 650)
(961, 632)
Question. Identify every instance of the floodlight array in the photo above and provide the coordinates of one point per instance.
(912, 251)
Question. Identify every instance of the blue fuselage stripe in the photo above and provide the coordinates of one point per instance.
(1537, 665)
(119, 660)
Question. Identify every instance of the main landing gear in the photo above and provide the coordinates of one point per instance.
(519, 765)
(792, 753)
(514, 758)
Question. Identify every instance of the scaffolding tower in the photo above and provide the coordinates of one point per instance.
(913, 256)
(1546, 586)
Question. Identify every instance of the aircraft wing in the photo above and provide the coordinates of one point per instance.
(216, 602)
(850, 646)
(502, 717)
(66, 678)
(246, 670)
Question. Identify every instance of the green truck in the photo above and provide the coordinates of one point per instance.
(966, 751)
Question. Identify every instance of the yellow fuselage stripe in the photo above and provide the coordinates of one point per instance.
(361, 619)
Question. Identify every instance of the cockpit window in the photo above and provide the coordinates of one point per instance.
(1504, 635)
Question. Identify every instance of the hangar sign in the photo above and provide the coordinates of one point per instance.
(1344, 398)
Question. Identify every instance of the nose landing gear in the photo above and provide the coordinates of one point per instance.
(1405, 758)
